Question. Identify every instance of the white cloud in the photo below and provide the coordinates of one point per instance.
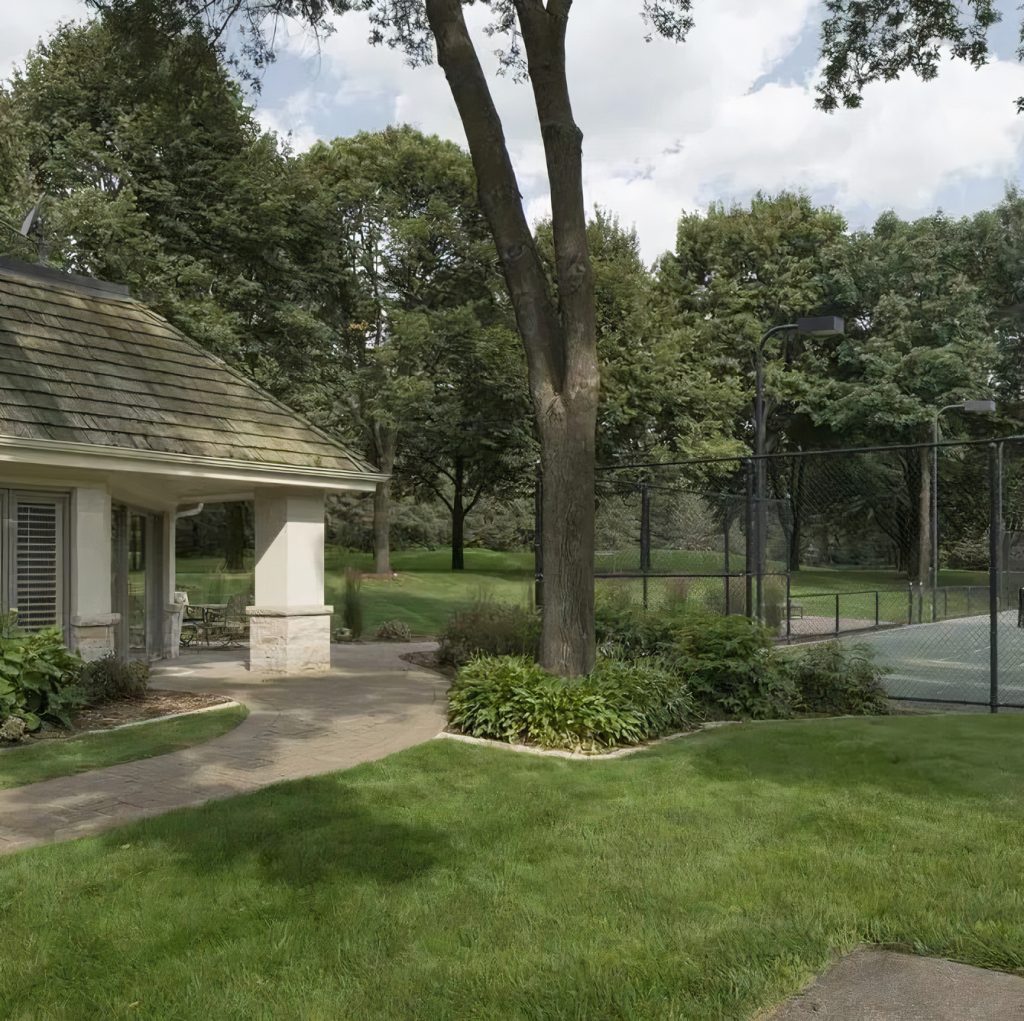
(668, 127)
(24, 24)
(290, 120)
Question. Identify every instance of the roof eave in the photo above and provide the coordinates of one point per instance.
(59, 453)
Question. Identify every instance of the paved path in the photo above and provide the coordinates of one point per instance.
(879, 985)
(372, 704)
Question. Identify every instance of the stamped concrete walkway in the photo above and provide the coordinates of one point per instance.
(372, 704)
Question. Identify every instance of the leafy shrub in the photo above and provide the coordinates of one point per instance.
(352, 606)
(712, 595)
(38, 676)
(627, 631)
(833, 678)
(731, 666)
(393, 631)
(111, 678)
(773, 592)
(489, 629)
(511, 698)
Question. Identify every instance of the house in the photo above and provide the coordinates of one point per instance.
(112, 424)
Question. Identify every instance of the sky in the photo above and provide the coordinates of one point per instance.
(670, 128)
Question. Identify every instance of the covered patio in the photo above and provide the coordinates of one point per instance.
(112, 425)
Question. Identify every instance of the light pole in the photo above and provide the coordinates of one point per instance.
(807, 326)
(977, 407)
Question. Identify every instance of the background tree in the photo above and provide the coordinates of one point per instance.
(413, 240)
(558, 332)
(475, 439)
(919, 336)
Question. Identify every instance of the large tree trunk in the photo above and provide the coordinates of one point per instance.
(234, 537)
(560, 339)
(459, 518)
(385, 441)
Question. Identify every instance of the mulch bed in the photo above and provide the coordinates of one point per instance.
(430, 661)
(131, 710)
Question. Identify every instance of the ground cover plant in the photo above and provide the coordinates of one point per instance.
(43, 760)
(38, 680)
(704, 878)
(489, 629)
(110, 677)
(834, 678)
(512, 698)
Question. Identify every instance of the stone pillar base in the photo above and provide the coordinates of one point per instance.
(289, 639)
(92, 635)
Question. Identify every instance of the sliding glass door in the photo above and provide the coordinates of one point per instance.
(135, 579)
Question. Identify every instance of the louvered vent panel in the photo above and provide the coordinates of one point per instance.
(37, 556)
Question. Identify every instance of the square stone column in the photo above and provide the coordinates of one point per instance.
(92, 622)
(289, 625)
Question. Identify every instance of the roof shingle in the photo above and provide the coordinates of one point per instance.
(82, 361)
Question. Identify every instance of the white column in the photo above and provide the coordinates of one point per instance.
(289, 625)
(92, 623)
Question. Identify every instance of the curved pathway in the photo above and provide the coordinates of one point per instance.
(372, 703)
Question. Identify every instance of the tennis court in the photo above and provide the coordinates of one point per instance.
(949, 660)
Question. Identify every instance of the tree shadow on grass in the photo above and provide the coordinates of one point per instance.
(294, 834)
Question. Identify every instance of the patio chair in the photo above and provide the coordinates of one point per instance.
(230, 627)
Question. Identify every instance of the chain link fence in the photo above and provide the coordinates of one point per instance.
(854, 545)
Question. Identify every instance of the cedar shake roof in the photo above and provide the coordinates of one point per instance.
(82, 361)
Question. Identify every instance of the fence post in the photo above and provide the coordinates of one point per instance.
(789, 607)
(538, 538)
(995, 527)
(645, 527)
(725, 561)
(877, 619)
(910, 603)
(751, 545)
(837, 613)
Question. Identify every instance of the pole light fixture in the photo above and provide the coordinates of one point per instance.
(821, 326)
(984, 406)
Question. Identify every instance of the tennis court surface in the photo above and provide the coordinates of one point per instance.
(949, 660)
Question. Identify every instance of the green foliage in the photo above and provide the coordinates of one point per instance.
(773, 591)
(838, 679)
(38, 676)
(158, 175)
(352, 610)
(732, 667)
(489, 629)
(511, 698)
(393, 631)
(629, 632)
(112, 678)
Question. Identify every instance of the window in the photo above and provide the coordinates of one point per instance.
(34, 561)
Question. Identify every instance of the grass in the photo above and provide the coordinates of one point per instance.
(423, 595)
(426, 591)
(46, 759)
(706, 878)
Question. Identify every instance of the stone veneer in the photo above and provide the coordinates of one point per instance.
(289, 640)
(92, 635)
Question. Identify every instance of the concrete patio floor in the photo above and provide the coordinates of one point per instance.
(880, 985)
(372, 703)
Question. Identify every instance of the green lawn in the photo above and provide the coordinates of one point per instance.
(62, 757)
(706, 878)
(426, 591)
(423, 595)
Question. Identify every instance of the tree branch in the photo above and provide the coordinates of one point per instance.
(500, 199)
